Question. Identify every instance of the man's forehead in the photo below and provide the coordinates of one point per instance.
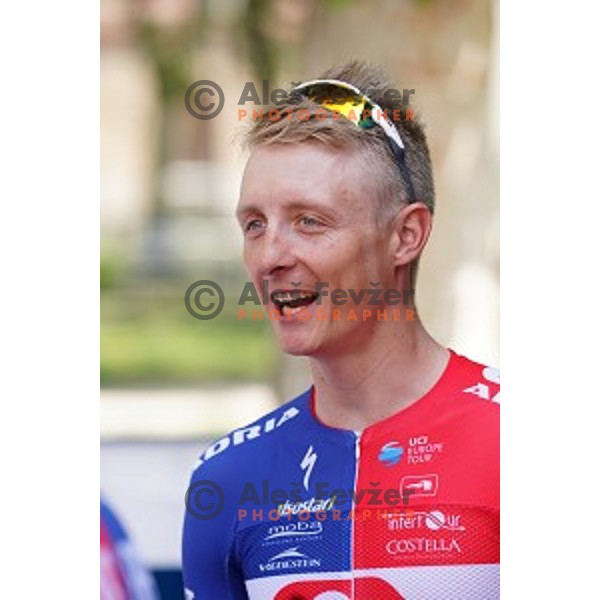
(300, 174)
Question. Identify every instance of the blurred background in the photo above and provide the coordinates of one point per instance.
(169, 382)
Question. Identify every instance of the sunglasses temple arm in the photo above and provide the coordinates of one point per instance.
(399, 154)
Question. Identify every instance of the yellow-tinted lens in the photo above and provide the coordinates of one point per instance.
(351, 110)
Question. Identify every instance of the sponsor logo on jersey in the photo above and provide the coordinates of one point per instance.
(188, 594)
(491, 375)
(419, 485)
(304, 529)
(433, 520)
(390, 454)
(307, 464)
(312, 505)
(423, 545)
(291, 558)
(241, 436)
(421, 449)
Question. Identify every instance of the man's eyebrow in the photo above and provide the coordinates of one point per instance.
(294, 205)
(310, 205)
(240, 213)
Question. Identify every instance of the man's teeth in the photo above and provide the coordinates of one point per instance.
(290, 302)
(287, 296)
(288, 311)
(292, 298)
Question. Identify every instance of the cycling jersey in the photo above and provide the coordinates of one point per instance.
(291, 509)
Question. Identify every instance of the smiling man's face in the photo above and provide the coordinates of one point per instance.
(307, 213)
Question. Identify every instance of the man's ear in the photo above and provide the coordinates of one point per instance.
(411, 228)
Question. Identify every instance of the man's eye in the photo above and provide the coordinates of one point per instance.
(310, 221)
(252, 225)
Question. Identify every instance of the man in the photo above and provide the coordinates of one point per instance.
(381, 480)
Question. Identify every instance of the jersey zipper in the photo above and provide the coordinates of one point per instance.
(352, 534)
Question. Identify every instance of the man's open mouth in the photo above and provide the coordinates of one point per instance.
(289, 302)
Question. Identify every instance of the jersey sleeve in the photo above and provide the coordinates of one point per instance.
(210, 569)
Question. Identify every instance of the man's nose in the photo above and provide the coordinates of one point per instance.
(276, 253)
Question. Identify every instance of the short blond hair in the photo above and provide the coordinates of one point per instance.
(340, 133)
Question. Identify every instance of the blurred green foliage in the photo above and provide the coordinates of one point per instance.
(261, 50)
(112, 267)
(148, 339)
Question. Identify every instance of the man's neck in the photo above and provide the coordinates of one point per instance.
(358, 389)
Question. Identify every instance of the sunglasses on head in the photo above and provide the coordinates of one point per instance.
(359, 109)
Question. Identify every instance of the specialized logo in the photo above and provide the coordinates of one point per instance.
(291, 558)
(433, 520)
(248, 433)
(390, 454)
(307, 464)
(419, 485)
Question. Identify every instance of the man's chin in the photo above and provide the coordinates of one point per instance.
(297, 347)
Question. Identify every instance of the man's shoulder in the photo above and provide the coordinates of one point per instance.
(250, 444)
(477, 380)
